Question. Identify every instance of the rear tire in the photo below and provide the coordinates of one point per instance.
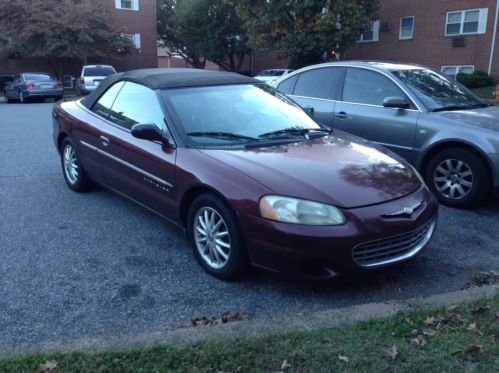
(72, 169)
(458, 177)
(215, 238)
(22, 100)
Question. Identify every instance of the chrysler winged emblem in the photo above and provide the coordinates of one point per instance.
(408, 210)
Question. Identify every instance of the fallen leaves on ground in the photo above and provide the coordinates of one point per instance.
(284, 367)
(48, 367)
(473, 350)
(393, 352)
(418, 341)
(214, 320)
(472, 327)
(343, 358)
(482, 279)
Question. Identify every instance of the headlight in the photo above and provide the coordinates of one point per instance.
(299, 211)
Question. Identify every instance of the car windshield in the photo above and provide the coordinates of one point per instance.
(235, 114)
(38, 77)
(436, 92)
(98, 71)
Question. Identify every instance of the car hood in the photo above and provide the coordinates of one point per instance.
(487, 118)
(331, 169)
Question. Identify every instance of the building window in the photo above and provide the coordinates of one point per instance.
(406, 28)
(371, 34)
(451, 72)
(134, 38)
(466, 22)
(127, 4)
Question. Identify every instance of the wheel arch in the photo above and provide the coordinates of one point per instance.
(438, 147)
(190, 195)
(60, 139)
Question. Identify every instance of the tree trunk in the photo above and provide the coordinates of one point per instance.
(53, 67)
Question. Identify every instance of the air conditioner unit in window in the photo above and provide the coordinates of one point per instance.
(458, 42)
(385, 26)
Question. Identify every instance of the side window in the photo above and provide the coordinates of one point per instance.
(287, 85)
(103, 106)
(319, 83)
(136, 104)
(368, 87)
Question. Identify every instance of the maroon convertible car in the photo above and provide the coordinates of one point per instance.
(246, 172)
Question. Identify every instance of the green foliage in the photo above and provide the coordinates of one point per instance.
(305, 31)
(477, 79)
(201, 30)
(59, 30)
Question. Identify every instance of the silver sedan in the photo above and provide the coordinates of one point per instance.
(443, 129)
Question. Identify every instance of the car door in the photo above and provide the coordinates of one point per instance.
(140, 169)
(88, 132)
(361, 111)
(315, 90)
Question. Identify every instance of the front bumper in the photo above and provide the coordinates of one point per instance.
(326, 251)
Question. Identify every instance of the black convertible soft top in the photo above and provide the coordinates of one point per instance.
(169, 78)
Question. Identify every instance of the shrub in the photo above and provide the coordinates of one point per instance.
(477, 79)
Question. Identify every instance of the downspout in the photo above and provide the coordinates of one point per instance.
(493, 39)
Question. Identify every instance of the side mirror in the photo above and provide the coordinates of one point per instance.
(149, 131)
(396, 103)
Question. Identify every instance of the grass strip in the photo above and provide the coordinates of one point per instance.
(454, 339)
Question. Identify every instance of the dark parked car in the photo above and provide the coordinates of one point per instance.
(28, 86)
(246, 172)
(439, 126)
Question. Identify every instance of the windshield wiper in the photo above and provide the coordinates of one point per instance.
(294, 132)
(224, 135)
(454, 107)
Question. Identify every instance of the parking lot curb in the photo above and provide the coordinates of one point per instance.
(256, 327)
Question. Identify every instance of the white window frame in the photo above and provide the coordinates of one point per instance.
(135, 38)
(457, 69)
(412, 29)
(482, 21)
(375, 30)
(135, 5)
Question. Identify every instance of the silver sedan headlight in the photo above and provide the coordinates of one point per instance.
(300, 211)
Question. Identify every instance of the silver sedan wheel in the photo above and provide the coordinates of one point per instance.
(70, 164)
(21, 97)
(212, 238)
(453, 179)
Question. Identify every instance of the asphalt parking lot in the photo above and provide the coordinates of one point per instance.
(86, 265)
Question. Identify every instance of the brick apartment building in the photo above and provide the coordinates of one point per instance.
(134, 18)
(449, 36)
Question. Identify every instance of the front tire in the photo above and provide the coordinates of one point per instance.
(7, 98)
(215, 238)
(458, 177)
(74, 174)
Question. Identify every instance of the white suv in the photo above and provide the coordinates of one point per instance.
(91, 76)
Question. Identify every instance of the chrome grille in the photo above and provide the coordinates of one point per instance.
(393, 249)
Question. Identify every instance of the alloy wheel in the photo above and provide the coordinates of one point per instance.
(212, 237)
(70, 164)
(453, 179)
(21, 97)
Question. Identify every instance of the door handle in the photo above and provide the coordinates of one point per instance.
(341, 115)
(105, 141)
